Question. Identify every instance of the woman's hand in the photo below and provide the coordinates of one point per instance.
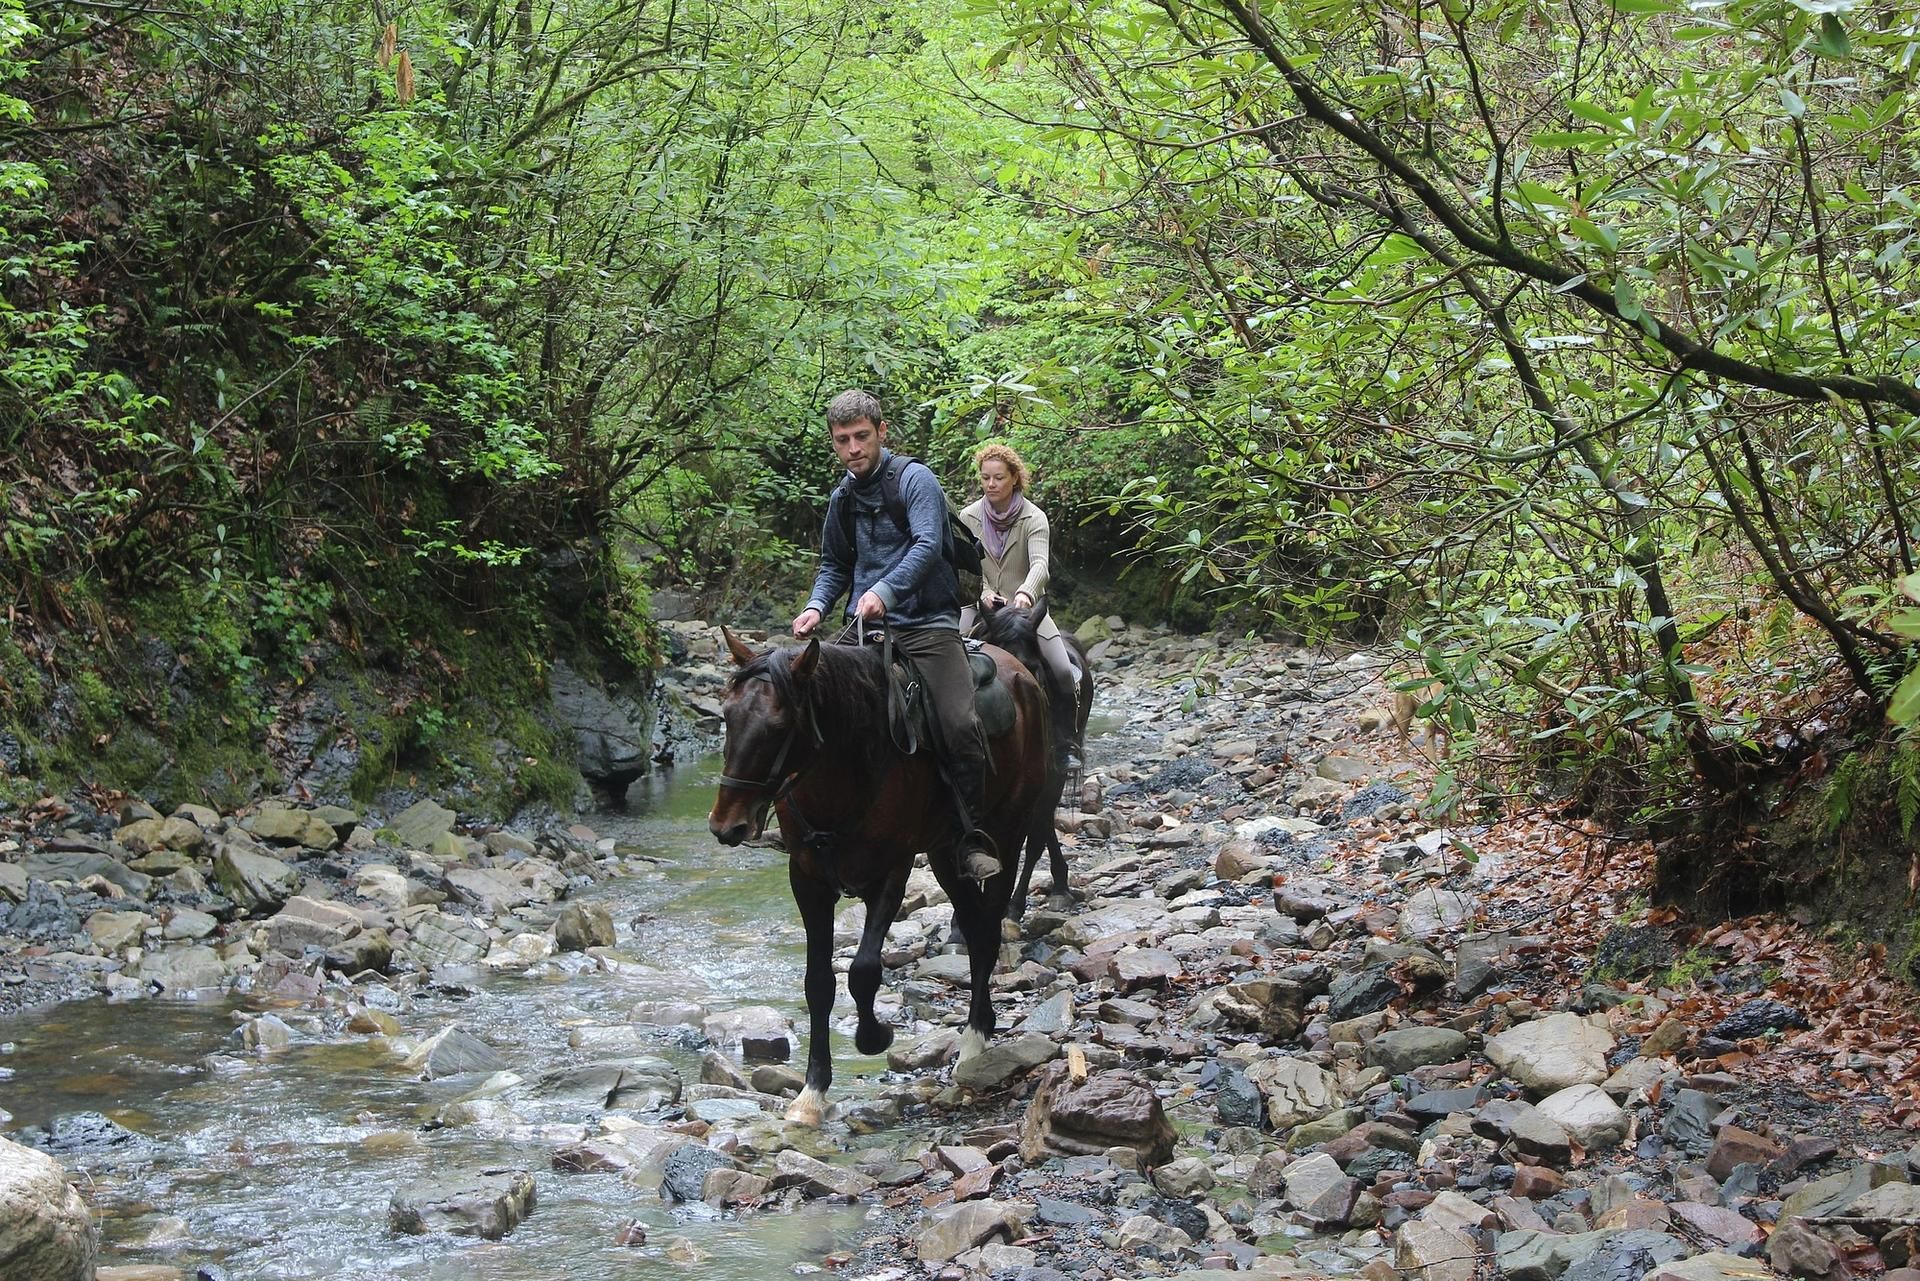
(990, 601)
(1022, 601)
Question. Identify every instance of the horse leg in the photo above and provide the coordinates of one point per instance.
(1017, 904)
(1060, 895)
(863, 976)
(816, 899)
(978, 917)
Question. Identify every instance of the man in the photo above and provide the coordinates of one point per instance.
(903, 576)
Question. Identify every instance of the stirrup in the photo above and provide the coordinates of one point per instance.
(979, 859)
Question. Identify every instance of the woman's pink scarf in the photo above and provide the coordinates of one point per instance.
(998, 525)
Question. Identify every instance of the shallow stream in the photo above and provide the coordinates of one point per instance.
(281, 1166)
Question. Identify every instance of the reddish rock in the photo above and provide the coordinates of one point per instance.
(1735, 1146)
(1536, 1182)
(1718, 1225)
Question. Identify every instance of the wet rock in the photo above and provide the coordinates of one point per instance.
(1434, 1252)
(1734, 1146)
(257, 883)
(1108, 1109)
(1406, 1048)
(1588, 1114)
(46, 1232)
(1361, 992)
(1759, 1017)
(583, 925)
(178, 970)
(778, 1079)
(266, 1034)
(1295, 1091)
(1796, 1250)
(756, 1031)
(417, 825)
(451, 1051)
(1552, 1053)
(683, 1177)
(612, 725)
(287, 826)
(816, 1178)
(640, 1085)
(1003, 1060)
(488, 1205)
(493, 890)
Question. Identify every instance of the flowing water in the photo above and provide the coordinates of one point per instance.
(281, 1166)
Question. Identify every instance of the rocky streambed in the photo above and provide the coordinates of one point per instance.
(1283, 1026)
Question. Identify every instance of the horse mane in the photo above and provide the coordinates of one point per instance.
(847, 694)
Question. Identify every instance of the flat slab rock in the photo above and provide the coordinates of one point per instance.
(487, 1204)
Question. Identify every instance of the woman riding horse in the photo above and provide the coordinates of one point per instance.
(808, 735)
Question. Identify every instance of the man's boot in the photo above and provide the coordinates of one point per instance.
(979, 861)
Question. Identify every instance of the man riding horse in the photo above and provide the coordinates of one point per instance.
(900, 573)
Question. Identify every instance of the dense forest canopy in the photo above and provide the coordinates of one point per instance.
(1568, 343)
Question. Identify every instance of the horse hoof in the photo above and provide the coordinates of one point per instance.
(1060, 902)
(973, 1043)
(873, 1038)
(807, 1109)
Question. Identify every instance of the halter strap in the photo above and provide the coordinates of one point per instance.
(776, 785)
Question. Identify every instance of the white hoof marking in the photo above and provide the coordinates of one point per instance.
(973, 1043)
(808, 1108)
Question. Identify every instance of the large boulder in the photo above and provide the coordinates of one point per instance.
(418, 825)
(1552, 1053)
(454, 1050)
(46, 1233)
(1108, 1109)
(257, 883)
(956, 1229)
(611, 724)
(285, 825)
(1588, 1114)
(583, 925)
(306, 922)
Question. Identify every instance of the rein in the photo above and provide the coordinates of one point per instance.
(776, 785)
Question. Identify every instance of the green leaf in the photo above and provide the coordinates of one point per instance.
(1832, 40)
(1904, 708)
(1792, 101)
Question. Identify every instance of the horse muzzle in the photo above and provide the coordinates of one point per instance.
(730, 832)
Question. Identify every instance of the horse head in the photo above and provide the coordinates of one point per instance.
(770, 732)
(1013, 629)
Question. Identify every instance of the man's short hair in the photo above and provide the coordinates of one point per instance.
(851, 407)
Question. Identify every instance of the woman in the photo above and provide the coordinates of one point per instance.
(1015, 535)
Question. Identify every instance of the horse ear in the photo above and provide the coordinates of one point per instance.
(735, 646)
(806, 660)
(1038, 614)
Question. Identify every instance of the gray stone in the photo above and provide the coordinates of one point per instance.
(306, 922)
(1434, 1252)
(1238, 1100)
(1529, 1255)
(684, 1176)
(1406, 1048)
(1588, 1114)
(1797, 1251)
(42, 914)
(1272, 1006)
(148, 834)
(816, 1178)
(756, 1031)
(611, 723)
(186, 923)
(439, 939)
(46, 1232)
(181, 969)
(113, 932)
(930, 1051)
(491, 889)
(1051, 1017)
(417, 825)
(488, 1204)
(1716, 1266)
(1434, 911)
(1361, 992)
(1003, 1060)
(256, 883)
(266, 1034)
(1295, 1090)
(13, 882)
(454, 1050)
(1186, 1177)
(583, 925)
(1478, 958)
(1890, 1201)
(951, 968)
(289, 826)
(1833, 1194)
(1688, 1124)
(1318, 1188)
(952, 1231)
(1551, 1053)
(76, 866)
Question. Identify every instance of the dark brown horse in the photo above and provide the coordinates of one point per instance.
(807, 734)
(1017, 631)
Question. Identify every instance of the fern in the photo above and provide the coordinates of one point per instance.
(1905, 772)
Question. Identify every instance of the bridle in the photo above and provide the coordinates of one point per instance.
(777, 784)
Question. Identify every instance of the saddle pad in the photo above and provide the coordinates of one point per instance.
(992, 701)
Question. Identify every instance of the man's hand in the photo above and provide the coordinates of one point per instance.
(803, 625)
(870, 607)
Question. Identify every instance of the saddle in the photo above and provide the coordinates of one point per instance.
(910, 715)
